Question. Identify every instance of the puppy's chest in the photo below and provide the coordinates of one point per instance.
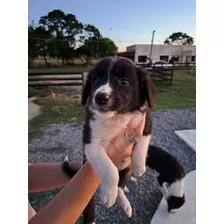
(107, 129)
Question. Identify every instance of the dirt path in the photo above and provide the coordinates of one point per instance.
(33, 109)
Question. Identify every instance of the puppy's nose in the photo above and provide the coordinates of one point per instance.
(102, 98)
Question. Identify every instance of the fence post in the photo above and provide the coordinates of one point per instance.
(193, 69)
(84, 77)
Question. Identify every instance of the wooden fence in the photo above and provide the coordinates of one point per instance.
(57, 79)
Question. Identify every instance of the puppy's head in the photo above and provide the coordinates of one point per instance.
(174, 194)
(175, 202)
(116, 85)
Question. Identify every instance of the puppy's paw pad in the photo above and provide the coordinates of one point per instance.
(108, 195)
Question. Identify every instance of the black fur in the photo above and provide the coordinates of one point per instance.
(67, 170)
(175, 202)
(165, 164)
(148, 125)
(169, 169)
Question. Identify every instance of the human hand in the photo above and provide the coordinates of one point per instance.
(121, 148)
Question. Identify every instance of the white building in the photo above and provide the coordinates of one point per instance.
(141, 52)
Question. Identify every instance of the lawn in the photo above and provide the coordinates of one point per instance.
(181, 94)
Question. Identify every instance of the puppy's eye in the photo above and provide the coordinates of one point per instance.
(96, 81)
(123, 82)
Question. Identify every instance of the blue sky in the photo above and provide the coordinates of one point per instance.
(132, 21)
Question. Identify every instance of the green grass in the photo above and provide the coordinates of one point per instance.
(70, 68)
(181, 94)
(40, 199)
(40, 92)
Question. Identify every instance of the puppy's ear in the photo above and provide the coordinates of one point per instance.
(86, 89)
(146, 87)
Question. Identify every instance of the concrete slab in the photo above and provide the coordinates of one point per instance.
(187, 213)
(33, 110)
(188, 136)
(31, 99)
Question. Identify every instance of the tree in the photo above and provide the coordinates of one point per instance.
(93, 48)
(179, 38)
(89, 40)
(64, 29)
(32, 51)
(62, 36)
(107, 47)
(38, 43)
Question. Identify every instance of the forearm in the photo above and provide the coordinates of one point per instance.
(70, 202)
(46, 176)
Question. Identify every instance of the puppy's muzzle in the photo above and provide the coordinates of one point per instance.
(102, 98)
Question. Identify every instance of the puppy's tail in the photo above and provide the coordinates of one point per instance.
(68, 170)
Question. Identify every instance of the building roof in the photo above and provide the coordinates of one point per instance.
(126, 53)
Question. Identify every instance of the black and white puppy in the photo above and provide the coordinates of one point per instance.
(170, 178)
(115, 95)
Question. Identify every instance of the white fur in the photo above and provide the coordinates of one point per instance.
(123, 202)
(126, 189)
(133, 179)
(104, 89)
(103, 130)
(105, 114)
(66, 159)
(175, 189)
(139, 154)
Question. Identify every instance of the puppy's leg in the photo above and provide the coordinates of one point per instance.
(124, 203)
(141, 148)
(122, 200)
(105, 170)
(89, 212)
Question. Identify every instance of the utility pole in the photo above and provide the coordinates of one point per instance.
(150, 55)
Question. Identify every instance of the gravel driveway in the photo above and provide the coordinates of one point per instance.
(144, 195)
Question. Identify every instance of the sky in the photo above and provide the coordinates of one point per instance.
(126, 22)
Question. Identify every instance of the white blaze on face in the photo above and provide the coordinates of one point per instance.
(107, 90)
(104, 89)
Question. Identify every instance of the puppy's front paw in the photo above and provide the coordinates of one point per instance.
(108, 195)
(124, 203)
(138, 169)
(126, 207)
